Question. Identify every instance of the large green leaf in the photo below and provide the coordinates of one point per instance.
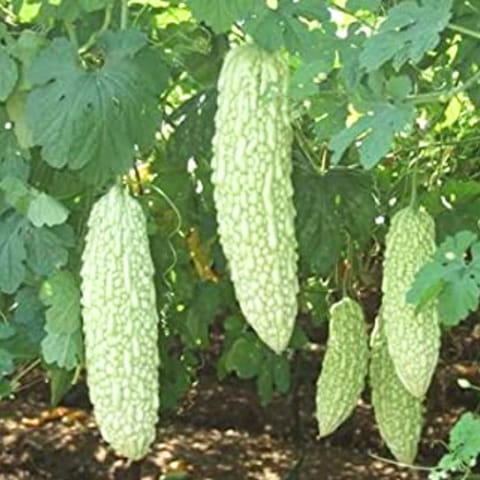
(63, 343)
(285, 26)
(328, 207)
(96, 117)
(375, 131)
(409, 31)
(47, 248)
(9, 75)
(61, 295)
(12, 251)
(221, 14)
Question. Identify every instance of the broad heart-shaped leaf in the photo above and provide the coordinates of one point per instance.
(409, 31)
(220, 14)
(464, 446)
(29, 314)
(245, 356)
(47, 248)
(63, 349)
(450, 278)
(8, 76)
(96, 118)
(273, 29)
(377, 129)
(6, 363)
(12, 251)
(12, 163)
(61, 295)
(45, 210)
(329, 206)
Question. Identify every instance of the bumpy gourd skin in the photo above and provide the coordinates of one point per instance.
(398, 413)
(120, 324)
(413, 339)
(344, 366)
(253, 190)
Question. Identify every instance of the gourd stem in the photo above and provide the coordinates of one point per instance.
(413, 194)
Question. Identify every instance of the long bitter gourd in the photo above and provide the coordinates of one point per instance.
(398, 413)
(253, 190)
(344, 367)
(120, 324)
(413, 338)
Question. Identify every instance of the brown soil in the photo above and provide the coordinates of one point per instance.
(223, 433)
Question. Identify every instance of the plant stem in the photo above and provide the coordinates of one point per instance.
(72, 33)
(95, 36)
(445, 95)
(124, 15)
(413, 196)
(464, 30)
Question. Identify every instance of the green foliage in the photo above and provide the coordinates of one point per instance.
(87, 89)
(410, 31)
(331, 208)
(79, 116)
(63, 342)
(453, 276)
(464, 448)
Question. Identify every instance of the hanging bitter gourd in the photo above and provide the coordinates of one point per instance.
(413, 338)
(253, 190)
(398, 413)
(120, 324)
(344, 367)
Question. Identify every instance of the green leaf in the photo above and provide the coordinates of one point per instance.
(9, 75)
(45, 210)
(61, 295)
(17, 193)
(29, 314)
(245, 357)
(6, 363)
(80, 117)
(220, 14)
(265, 385)
(328, 206)
(94, 5)
(60, 383)
(25, 50)
(281, 374)
(375, 131)
(12, 251)
(47, 248)
(12, 161)
(273, 29)
(409, 31)
(450, 277)
(64, 349)
(370, 5)
(464, 445)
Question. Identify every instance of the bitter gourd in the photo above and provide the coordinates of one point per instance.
(398, 413)
(413, 338)
(120, 324)
(253, 190)
(344, 367)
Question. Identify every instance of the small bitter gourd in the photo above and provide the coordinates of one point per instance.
(344, 367)
(253, 190)
(398, 413)
(413, 338)
(120, 324)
